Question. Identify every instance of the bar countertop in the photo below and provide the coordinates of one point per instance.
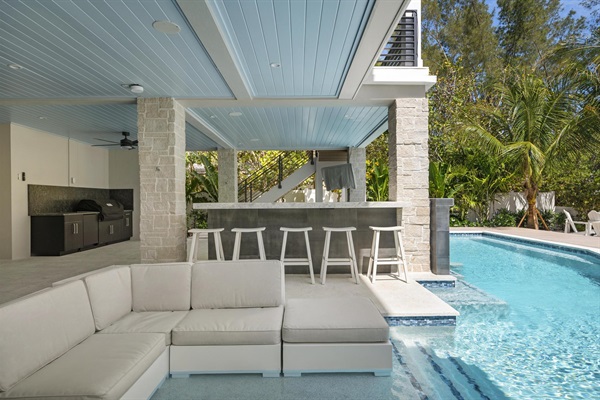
(257, 206)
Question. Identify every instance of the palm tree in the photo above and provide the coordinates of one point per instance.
(537, 122)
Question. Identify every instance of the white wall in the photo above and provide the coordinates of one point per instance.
(46, 159)
(124, 173)
(5, 192)
(88, 166)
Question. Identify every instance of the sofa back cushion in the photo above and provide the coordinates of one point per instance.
(110, 295)
(38, 329)
(237, 284)
(161, 287)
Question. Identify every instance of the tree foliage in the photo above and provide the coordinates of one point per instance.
(537, 73)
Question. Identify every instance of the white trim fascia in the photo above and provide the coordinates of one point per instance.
(199, 123)
(401, 76)
(201, 18)
(382, 22)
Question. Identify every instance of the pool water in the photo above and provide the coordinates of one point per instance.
(530, 319)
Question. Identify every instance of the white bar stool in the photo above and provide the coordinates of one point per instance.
(351, 260)
(238, 241)
(298, 261)
(193, 256)
(398, 259)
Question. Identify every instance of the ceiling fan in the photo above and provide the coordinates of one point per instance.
(125, 143)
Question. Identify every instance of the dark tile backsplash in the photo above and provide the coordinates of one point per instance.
(44, 199)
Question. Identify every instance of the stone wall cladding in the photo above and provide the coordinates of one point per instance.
(409, 175)
(357, 156)
(161, 150)
(228, 176)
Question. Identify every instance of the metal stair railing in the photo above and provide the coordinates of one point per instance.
(271, 174)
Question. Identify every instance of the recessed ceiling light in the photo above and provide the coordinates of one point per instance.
(235, 114)
(42, 117)
(15, 66)
(167, 27)
(213, 116)
(254, 140)
(275, 65)
(133, 87)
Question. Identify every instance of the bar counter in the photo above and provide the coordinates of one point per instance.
(360, 215)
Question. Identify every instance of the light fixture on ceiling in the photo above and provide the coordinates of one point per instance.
(213, 116)
(235, 114)
(42, 117)
(275, 65)
(14, 66)
(135, 88)
(254, 140)
(167, 27)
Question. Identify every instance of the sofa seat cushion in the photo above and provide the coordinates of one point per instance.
(148, 322)
(230, 326)
(101, 367)
(339, 320)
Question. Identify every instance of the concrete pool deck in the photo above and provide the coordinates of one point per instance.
(571, 239)
(393, 297)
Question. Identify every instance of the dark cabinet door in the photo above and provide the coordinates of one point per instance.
(110, 231)
(73, 232)
(90, 230)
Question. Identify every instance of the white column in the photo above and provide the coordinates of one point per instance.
(409, 175)
(161, 151)
(228, 176)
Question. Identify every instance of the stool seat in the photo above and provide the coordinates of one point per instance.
(399, 258)
(238, 241)
(298, 261)
(350, 260)
(286, 229)
(193, 256)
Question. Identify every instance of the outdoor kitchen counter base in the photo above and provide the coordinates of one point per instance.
(361, 215)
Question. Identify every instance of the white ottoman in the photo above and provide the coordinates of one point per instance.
(335, 335)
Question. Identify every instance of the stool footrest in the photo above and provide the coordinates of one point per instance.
(288, 260)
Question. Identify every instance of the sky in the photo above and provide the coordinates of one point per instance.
(567, 6)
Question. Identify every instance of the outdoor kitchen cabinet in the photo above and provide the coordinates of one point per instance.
(58, 234)
(111, 231)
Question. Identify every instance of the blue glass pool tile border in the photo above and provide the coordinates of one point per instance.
(513, 239)
(421, 321)
(437, 284)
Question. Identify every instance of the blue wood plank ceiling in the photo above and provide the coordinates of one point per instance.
(84, 49)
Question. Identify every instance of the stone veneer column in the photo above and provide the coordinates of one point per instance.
(357, 156)
(228, 176)
(409, 175)
(161, 151)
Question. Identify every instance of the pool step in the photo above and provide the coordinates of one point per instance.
(446, 377)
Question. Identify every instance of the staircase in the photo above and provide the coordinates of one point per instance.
(276, 178)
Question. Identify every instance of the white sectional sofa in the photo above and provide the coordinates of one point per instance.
(119, 332)
(108, 335)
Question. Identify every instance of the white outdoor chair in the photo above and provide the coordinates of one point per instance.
(594, 216)
(596, 227)
(570, 225)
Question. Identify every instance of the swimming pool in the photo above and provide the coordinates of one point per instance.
(530, 319)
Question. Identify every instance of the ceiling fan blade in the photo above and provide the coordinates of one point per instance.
(104, 140)
(101, 145)
(135, 143)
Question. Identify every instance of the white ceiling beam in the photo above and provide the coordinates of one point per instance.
(76, 101)
(312, 102)
(199, 123)
(384, 18)
(202, 20)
